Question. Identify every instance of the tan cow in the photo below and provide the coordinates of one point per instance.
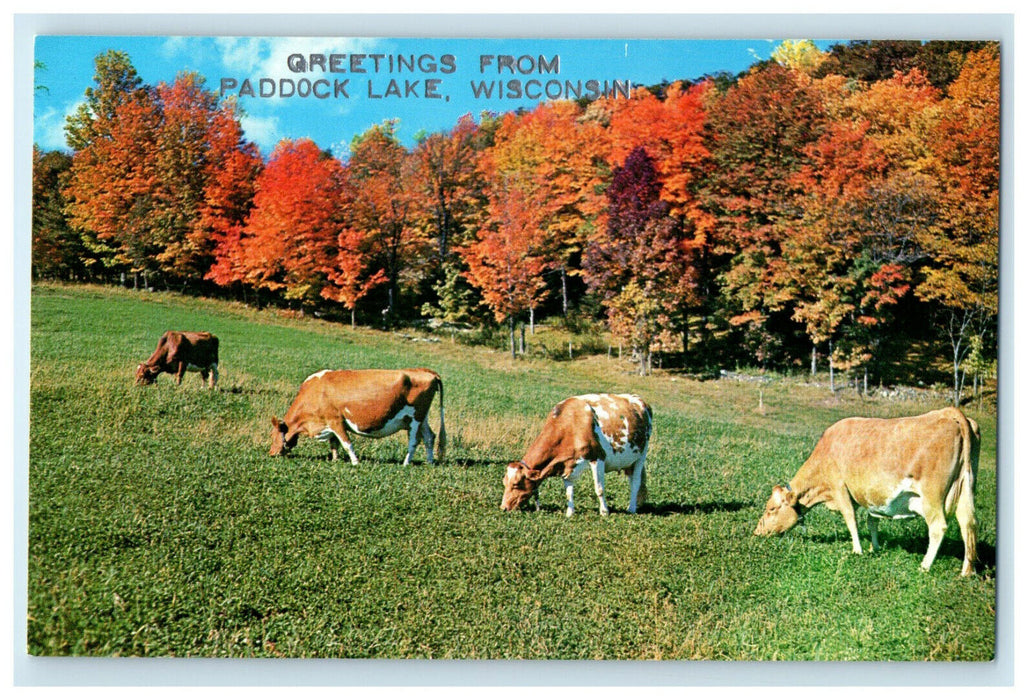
(607, 432)
(331, 404)
(895, 468)
(179, 352)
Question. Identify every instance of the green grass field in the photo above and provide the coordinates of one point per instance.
(159, 525)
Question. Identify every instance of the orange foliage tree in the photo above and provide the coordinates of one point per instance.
(231, 169)
(504, 262)
(961, 276)
(380, 199)
(558, 159)
(290, 238)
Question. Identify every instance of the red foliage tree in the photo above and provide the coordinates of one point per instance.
(290, 238)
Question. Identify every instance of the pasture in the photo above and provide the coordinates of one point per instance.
(159, 525)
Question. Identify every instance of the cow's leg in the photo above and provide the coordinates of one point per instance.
(968, 527)
(569, 485)
(181, 367)
(429, 440)
(340, 437)
(842, 501)
(871, 522)
(214, 376)
(637, 487)
(598, 485)
(348, 448)
(569, 493)
(934, 514)
(204, 377)
(414, 435)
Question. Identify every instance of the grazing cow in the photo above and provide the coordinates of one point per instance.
(606, 432)
(895, 468)
(179, 352)
(376, 403)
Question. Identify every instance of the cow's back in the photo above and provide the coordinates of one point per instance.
(365, 397)
(871, 456)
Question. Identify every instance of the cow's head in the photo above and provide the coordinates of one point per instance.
(146, 374)
(282, 444)
(520, 483)
(782, 512)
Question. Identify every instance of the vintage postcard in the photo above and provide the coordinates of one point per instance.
(364, 346)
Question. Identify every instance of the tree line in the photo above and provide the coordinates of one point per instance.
(838, 206)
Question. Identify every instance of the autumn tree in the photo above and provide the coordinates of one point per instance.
(558, 160)
(504, 261)
(142, 188)
(756, 135)
(962, 275)
(447, 173)
(872, 61)
(112, 186)
(636, 264)
(183, 160)
(290, 238)
(231, 169)
(671, 130)
(380, 200)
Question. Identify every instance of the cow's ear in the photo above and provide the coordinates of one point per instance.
(276, 423)
(784, 495)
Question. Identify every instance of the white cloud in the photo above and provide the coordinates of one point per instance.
(49, 127)
(264, 131)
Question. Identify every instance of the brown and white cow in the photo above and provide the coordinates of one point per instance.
(895, 468)
(603, 432)
(332, 404)
(179, 352)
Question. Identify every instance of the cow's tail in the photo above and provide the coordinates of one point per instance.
(960, 498)
(440, 453)
(966, 478)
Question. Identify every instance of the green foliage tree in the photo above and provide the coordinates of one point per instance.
(57, 250)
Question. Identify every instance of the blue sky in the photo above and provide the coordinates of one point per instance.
(333, 121)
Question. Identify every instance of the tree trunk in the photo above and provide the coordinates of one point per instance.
(531, 320)
(513, 347)
(815, 360)
(831, 363)
(564, 291)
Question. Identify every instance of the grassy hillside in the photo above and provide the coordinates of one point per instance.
(160, 526)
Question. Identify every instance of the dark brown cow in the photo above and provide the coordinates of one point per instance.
(376, 403)
(179, 352)
(895, 468)
(608, 432)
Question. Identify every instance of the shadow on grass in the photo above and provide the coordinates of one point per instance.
(237, 389)
(951, 548)
(666, 508)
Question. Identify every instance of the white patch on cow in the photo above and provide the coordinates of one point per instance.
(633, 399)
(326, 434)
(590, 398)
(617, 455)
(904, 502)
(316, 375)
(393, 425)
(511, 473)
